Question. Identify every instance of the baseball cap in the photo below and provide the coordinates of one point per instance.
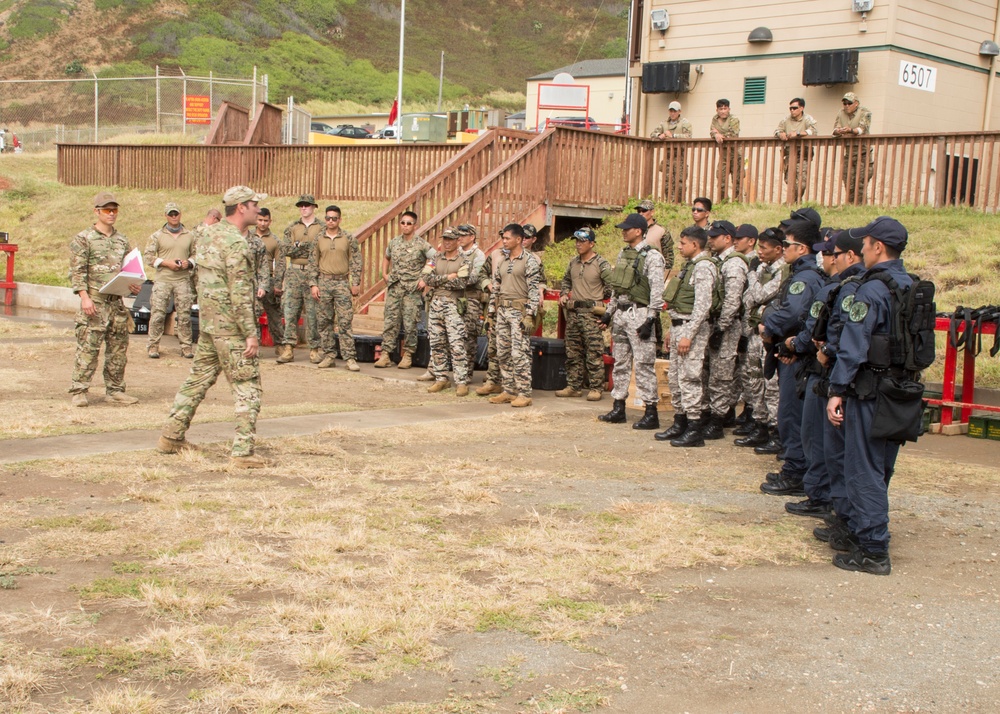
(634, 220)
(803, 214)
(746, 230)
(449, 234)
(240, 194)
(645, 205)
(676, 106)
(885, 229)
(529, 230)
(104, 198)
(721, 228)
(845, 241)
(585, 234)
(306, 200)
(466, 229)
(771, 235)
(850, 97)
(171, 207)
(824, 246)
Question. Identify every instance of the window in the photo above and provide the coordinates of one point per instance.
(754, 90)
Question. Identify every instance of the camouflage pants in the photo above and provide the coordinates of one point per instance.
(676, 168)
(857, 170)
(584, 350)
(296, 298)
(446, 332)
(799, 181)
(723, 387)
(513, 352)
(472, 318)
(685, 373)
(493, 366)
(752, 376)
(730, 165)
(270, 305)
(335, 314)
(109, 327)
(183, 294)
(627, 348)
(402, 309)
(214, 355)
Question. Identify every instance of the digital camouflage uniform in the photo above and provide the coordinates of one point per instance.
(723, 388)
(676, 163)
(261, 265)
(685, 372)
(760, 394)
(225, 281)
(486, 278)
(94, 260)
(516, 295)
(627, 347)
(402, 298)
(445, 321)
(474, 305)
(334, 267)
(730, 157)
(858, 162)
(586, 285)
(806, 126)
(164, 245)
(270, 304)
(294, 248)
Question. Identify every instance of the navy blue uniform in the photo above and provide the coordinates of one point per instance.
(867, 472)
(784, 319)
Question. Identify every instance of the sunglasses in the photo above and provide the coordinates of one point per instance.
(695, 209)
(173, 213)
(333, 218)
(794, 108)
(406, 223)
(845, 102)
(838, 252)
(108, 211)
(790, 243)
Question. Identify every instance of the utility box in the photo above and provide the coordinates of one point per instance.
(836, 67)
(431, 128)
(665, 77)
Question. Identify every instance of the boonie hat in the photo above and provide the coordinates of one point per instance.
(675, 106)
(634, 220)
(721, 228)
(104, 198)
(585, 234)
(746, 230)
(240, 194)
(645, 205)
(884, 229)
(306, 200)
(171, 207)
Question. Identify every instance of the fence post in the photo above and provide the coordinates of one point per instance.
(184, 98)
(941, 179)
(211, 92)
(96, 97)
(159, 128)
(253, 103)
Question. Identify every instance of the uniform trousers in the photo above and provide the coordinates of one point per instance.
(685, 372)
(628, 347)
(790, 422)
(866, 475)
(108, 327)
(816, 480)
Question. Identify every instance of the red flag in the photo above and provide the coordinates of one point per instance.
(394, 112)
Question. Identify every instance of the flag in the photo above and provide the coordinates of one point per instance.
(394, 112)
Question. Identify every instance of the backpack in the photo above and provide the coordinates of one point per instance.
(911, 335)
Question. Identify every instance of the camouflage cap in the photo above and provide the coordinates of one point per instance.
(645, 205)
(170, 207)
(850, 97)
(449, 234)
(104, 198)
(674, 106)
(466, 229)
(241, 194)
(529, 230)
(306, 200)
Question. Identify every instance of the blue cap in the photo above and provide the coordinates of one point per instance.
(884, 229)
(721, 228)
(634, 220)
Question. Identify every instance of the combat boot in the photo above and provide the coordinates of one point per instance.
(521, 401)
(713, 429)
(384, 361)
(122, 398)
(729, 418)
(315, 355)
(352, 366)
(248, 462)
(650, 420)
(406, 361)
(439, 386)
(502, 398)
(594, 395)
(327, 362)
(187, 352)
(426, 377)
(863, 561)
(746, 417)
(80, 400)
(153, 351)
(785, 486)
(568, 392)
(488, 388)
(676, 429)
(756, 437)
(691, 436)
(462, 390)
(772, 445)
(617, 413)
(286, 354)
(167, 445)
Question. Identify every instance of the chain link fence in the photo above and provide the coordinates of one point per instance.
(42, 112)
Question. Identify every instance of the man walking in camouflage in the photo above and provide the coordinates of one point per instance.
(295, 247)
(170, 251)
(228, 341)
(447, 276)
(405, 257)
(334, 277)
(473, 293)
(516, 283)
(584, 288)
(269, 294)
(96, 256)
(858, 162)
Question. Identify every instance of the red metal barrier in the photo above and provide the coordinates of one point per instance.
(968, 377)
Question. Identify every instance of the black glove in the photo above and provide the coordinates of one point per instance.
(645, 330)
(715, 340)
(606, 318)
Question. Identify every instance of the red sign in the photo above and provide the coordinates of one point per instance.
(197, 109)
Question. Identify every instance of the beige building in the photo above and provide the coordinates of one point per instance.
(922, 65)
(605, 79)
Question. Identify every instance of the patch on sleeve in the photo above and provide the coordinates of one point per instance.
(846, 303)
(797, 287)
(816, 310)
(859, 311)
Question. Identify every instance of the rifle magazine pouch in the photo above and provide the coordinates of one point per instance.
(899, 405)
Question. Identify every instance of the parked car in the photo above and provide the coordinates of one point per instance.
(322, 128)
(353, 132)
(576, 122)
(387, 132)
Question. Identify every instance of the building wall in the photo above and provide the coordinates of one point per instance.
(607, 97)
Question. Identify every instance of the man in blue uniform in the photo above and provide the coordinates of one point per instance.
(863, 359)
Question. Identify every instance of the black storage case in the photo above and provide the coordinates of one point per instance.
(548, 363)
(422, 357)
(364, 346)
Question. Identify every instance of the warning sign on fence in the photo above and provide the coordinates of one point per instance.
(197, 109)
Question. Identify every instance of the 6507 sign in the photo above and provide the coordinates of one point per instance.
(917, 76)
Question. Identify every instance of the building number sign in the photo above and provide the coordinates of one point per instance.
(917, 76)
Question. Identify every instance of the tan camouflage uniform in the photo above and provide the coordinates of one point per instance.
(858, 165)
(402, 298)
(586, 286)
(474, 306)
(165, 245)
(806, 126)
(335, 267)
(225, 280)
(261, 265)
(685, 372)
(295, 246)
(676, 166)
(516, 295)
(270, 304)
(730, 157)
(445, 323)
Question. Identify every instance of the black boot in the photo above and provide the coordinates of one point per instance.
(713, 430)
(757, 436)
(617, 413)
(679, 427)
(746, 416)
(691, 436)
(729, 418)
(650, 420)
(773, 444)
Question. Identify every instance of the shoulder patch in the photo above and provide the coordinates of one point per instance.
(816, 309)
(845, 304)
(797, 287)
(858, 311)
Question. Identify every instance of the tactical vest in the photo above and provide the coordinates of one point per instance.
(629, 276)
(679, 293)
(757, 315)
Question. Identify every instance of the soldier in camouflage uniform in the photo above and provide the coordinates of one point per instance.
(96, 256)
(295, 247)
(636, 282)
(582, 294)
(493, 382)
(405, 257)
(228, 341)
(447, 276)
(269, 293)
(473, 293)
(725, 129)
(793, 128)
(170, 251)
(858, 165)
(676, 127)
(261, 266)
(516, 291)
(335, 280)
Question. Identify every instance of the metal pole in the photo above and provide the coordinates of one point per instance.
(399, 85)
(988, 109)
(211, 93)
(441, 81)
(96, 98)
(253, 103)
(159, 127)
(184, 111)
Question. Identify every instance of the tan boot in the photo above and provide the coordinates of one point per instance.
(569, 392)
(384, 361)
(594, 395)
(502, 398)
(167, 445)
(315, 355)
(352, 366)
(122, 398)
(286, 354)
(488, 388)
(187, 352)
(462, 390)
(406, 361)
(80, 400)
(439, 386)
(521, 401)
(153, 351)
(248, 462)
(277, 350)
(426, 377)
(326, 362)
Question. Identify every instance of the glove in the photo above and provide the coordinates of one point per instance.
(528, 324)
(715, 340)
(606, 318)
(645, 330)
(488, 323)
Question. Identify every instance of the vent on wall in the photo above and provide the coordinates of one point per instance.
(754, 90)
(663, 77)
(837, 67)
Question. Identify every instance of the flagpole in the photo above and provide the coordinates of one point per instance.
(399, 86)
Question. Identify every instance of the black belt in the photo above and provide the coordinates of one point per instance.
(677, 323)
(577, 304)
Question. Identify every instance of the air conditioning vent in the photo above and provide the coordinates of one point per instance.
(665, 77)
(837, 67)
